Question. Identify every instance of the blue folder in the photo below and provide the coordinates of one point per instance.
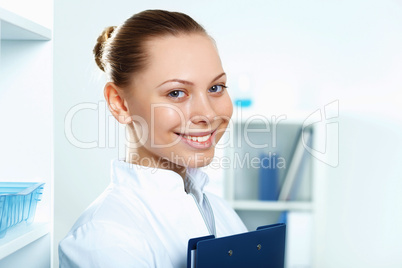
(264, 247)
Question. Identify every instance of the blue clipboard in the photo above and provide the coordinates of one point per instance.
(264, 247)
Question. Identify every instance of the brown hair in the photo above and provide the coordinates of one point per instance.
(120, 51)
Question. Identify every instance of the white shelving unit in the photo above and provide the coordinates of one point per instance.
(247, 138)
(26, 118)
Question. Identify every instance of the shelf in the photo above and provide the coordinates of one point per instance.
(272, 205)
(21, 235)
(15, 27)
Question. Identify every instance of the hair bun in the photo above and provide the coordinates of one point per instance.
(100, 42)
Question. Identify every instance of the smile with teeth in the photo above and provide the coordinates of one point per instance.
(197, 138)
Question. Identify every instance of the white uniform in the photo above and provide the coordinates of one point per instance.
(145, 218)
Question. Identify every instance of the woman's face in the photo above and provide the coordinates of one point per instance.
(179, 103)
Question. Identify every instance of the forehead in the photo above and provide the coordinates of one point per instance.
(187, 56)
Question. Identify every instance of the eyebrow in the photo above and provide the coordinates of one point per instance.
(185, 82)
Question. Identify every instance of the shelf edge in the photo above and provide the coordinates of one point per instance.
(272, 205)
(21, 235)
(16, 27)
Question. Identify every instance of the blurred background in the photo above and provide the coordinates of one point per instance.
(288, 57)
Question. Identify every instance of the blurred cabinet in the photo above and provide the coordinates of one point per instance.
(26, 117)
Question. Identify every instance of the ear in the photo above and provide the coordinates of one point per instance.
(116, 103)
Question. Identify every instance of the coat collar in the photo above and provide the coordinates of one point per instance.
(160, 181)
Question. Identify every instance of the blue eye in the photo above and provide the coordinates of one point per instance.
(176, 94)
(217, 88)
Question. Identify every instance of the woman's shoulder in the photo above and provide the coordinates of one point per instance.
(109, 244)
(110, 230)
(112, 207)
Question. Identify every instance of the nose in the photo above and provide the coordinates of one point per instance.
(202, 110)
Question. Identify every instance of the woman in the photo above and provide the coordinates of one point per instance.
(167, 84)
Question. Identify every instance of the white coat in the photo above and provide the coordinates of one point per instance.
(145, 218)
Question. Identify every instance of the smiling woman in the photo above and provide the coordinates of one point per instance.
(189, 81)
(167, 85)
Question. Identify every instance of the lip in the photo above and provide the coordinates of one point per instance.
(197, 134)
(196, 144)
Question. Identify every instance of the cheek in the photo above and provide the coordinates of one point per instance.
(224, 110)
(166, 118)
(224, 107)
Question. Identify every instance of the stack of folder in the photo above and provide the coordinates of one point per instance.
(264, 247)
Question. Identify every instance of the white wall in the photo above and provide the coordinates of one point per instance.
(362, 207)
(299, 55)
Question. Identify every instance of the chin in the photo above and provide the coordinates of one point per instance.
(198, 160)
(203, 163)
